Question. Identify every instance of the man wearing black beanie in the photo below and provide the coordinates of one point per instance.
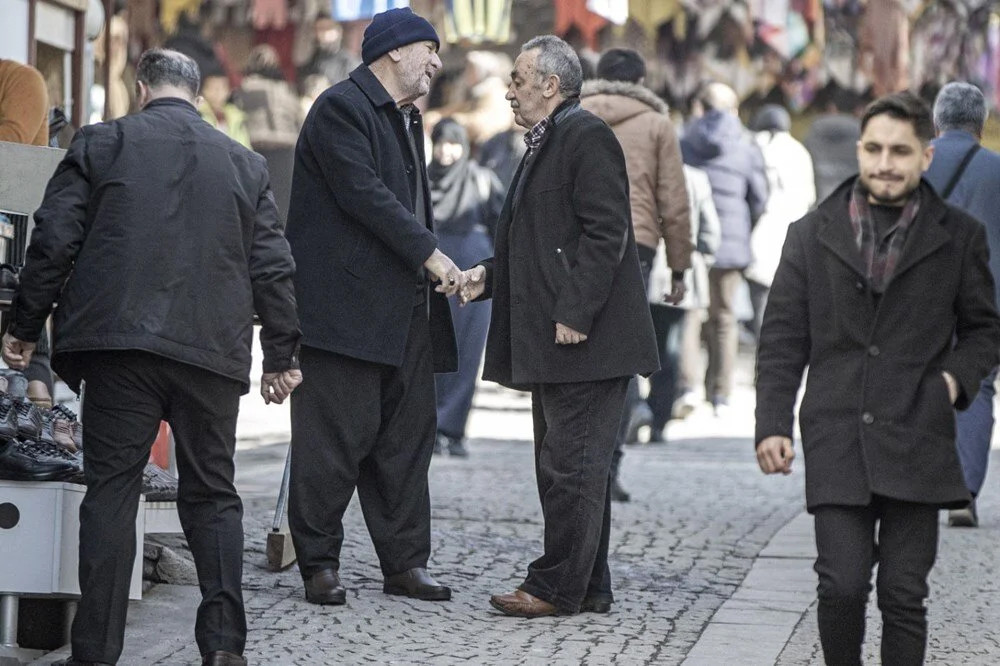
(374, 331)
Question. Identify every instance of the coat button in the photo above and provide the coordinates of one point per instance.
(873, 351)
(867, 418)
(860, 286)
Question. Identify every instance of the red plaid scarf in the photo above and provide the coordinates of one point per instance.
(533, 138)
(879, 255)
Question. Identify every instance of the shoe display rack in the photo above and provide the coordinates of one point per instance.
(39, 548)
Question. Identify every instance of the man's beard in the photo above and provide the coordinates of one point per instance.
(897, 200)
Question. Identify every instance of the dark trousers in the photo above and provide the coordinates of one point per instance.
(127, 395)
(575, 427)
(632, 397)
(901, 537)
(370, 426)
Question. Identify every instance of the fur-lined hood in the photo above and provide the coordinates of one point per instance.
(617, 101)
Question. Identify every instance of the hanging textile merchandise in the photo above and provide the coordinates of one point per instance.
(477, 21)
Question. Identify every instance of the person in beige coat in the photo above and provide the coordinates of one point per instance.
(657, 196)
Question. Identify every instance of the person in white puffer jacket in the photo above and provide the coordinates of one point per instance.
(792, 194)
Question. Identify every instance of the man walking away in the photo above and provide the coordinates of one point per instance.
(127, 250)
(657, 197)
(718, 143)
(968, 176)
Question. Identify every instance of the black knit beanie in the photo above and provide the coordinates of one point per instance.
(392, 29)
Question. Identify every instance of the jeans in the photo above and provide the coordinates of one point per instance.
(668, 321)
(632, 396)
(975, 431)
(847, 549)
(128, 393)
(574, 427)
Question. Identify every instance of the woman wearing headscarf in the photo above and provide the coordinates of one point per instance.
(467, 199)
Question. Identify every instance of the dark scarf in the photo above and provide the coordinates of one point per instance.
(878, 256)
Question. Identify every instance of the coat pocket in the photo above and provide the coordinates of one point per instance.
(359, 257)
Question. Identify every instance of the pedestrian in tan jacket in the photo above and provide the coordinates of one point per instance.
(658, 200)
(24, 105)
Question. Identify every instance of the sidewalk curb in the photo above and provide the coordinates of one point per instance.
(756, 623)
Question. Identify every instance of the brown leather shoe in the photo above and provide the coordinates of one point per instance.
(416, 583)
(324, 588)
(221, 658)
(521, 604)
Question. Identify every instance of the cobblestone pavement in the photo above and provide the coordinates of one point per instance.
(701, 514)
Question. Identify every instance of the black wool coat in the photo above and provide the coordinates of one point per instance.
(159, 233)
(875, 416)
(565, 252)
(359, 248)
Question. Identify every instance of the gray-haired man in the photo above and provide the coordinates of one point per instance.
(127, 250)
(968, 176)
(570, 321)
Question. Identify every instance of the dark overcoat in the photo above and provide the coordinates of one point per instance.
(359, 248)
(159, 233)
(875, 416)
(565, 252)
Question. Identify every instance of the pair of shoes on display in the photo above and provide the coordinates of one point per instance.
(617, 492)
(221, 658)
(967, 517)
(22, 460)
(640, 416)
(455, 446)
(37, 444)
(9, 283)
(158, 485)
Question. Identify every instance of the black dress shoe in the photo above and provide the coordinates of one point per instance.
(20, 461)
(416, 584)
(598, 603)
(324, 588)
(221, 658)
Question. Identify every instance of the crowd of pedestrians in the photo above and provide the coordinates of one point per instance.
(580, 248)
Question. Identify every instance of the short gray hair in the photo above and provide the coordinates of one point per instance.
(960, 106)
(160, 67)
(557, 57)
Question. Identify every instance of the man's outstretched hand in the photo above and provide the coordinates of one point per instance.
(444, 270)
(475, 284)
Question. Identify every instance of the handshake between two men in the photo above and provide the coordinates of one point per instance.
(468, 285)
